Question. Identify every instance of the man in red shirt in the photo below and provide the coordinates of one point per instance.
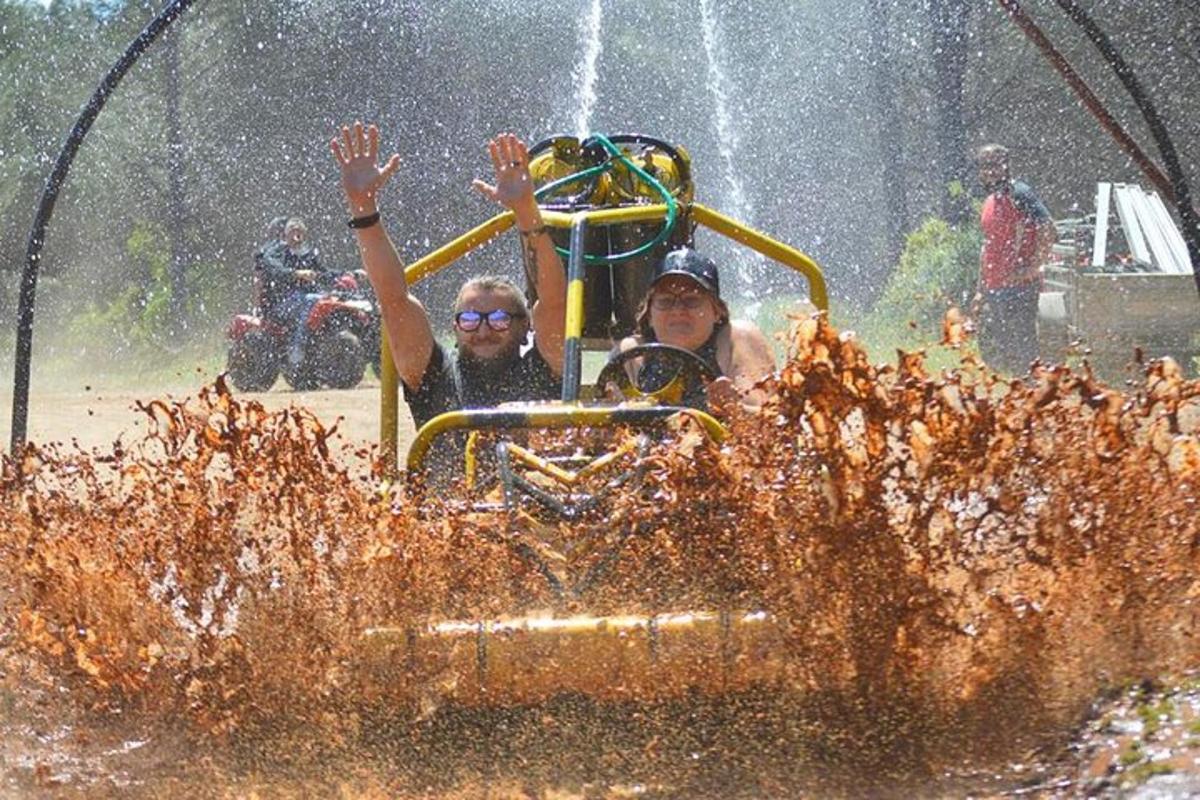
(1017, 236)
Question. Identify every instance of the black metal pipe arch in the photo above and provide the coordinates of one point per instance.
(175, 8)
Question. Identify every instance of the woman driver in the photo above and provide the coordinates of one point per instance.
(683, 308)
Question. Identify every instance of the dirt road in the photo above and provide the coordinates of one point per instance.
(95, 416)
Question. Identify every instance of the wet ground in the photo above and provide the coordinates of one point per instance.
(1143, 742)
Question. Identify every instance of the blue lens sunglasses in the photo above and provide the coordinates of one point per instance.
(497, 319)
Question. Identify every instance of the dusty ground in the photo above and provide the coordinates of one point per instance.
(95, 415)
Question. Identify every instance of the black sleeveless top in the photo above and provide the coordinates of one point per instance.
(450, 385)
(658, 370)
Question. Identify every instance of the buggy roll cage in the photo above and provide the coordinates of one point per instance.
(569, 411)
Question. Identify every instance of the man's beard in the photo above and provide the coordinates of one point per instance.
(489, 367)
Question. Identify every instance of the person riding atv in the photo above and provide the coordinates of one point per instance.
(340, 335)
(292, 277)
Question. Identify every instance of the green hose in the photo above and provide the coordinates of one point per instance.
(615, 153)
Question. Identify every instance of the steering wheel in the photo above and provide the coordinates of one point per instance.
(690, 370)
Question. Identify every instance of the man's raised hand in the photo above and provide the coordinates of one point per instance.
(356, 152)
(510, 163)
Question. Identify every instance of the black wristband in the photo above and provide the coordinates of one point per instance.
(364, 222)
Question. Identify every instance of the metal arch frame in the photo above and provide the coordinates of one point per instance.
(1176, 185)
(37, 234)
(568, 412)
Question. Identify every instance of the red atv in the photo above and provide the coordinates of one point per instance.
(343, 337)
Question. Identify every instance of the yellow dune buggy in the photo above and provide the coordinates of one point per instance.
(615, 205)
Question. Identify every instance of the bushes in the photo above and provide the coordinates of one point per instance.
(938, 268)
(134, 322)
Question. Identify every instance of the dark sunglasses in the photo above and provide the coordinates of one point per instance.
(497, 320)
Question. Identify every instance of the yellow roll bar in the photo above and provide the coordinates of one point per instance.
(480, 235)
(484, 233)
(452, 251)
(549, 415)
(389, 407)
(761, 243)
(568, 477)
(523, 660)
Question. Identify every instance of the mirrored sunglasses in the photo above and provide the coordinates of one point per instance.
(497, 319)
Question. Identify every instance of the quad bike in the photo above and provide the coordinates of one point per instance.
(342, 338)
(617, 205)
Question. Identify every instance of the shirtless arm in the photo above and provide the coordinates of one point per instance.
(404, 319)
(750, 360)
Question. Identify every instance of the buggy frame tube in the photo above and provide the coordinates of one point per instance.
(761, 243)
(41, 220)
(565, 476)
(573, 345)
(389, 407)
(455, 249)
(550, 416)
(572, 362)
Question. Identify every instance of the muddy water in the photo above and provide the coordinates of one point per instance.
(959, 565)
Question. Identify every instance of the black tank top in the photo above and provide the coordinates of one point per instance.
(450, 385)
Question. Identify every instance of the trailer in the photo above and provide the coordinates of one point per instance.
(1119, 288)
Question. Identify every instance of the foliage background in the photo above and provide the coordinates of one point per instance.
(257, 88)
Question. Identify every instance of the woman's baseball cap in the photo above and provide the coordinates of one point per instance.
(687, 262)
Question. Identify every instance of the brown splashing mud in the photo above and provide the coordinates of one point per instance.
(960, 563)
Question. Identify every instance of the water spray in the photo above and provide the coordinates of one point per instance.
(587, 71)
(728, 140)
